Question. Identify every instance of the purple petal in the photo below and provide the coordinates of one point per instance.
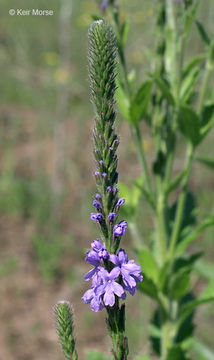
(92, 258)
(109, 299)
(90, 274)
(117, 288)
(132, 290)
(96, 304)
(127, 279)
(132, 267)
(88, 296)
(114, 259)
(114, 273)
(122, 256)
(96, 245)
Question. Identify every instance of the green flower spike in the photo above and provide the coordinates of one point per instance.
(65, 329)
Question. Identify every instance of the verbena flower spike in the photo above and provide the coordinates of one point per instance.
(65, 329)
(112, 274)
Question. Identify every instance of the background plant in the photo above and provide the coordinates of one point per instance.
(173, 101)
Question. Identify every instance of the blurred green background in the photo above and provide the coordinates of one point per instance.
(46, 182)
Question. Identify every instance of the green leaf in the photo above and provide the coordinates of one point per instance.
(205, 160)
(162, 281)
(207, 120)
(96, 355)
(205, 269)
(189, 124)
(132, 194)
(148, 264)
(95, 17)
(122, 101)
(176, 353)
(148, 287)
(204, 36)
(176, 181)
(188, 84)
(209, 221)
(190, 17)
(124, 32)
(140, 102)
(164, 88)
(146, 357)
(193, 63)
(202, 350)
(187, 262)
(206, 296)
(179, 284)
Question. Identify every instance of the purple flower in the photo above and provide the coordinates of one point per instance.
(130, 271)
(99, 249)
(98, 197)
(94, 300)
(97, 217)
(101, 162)
(110, 287)
(108, 188)
(120, 229)
(104, 5)
(119, 203)
(111, 217)
(104, 175)
(97, 205)
(97, 254)
(96, 173)
(116, 190)
(94, 275)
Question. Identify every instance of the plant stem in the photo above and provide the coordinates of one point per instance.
(189, 155)
(142, 158)
(181, 202)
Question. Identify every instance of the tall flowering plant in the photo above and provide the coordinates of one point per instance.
(176, 105)
(112, 275)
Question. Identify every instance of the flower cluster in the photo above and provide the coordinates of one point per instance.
(122, 275)
(112, 274)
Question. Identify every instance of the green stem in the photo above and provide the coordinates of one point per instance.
(181, 202)
(189, 155)
(142, 158)
(116, 327)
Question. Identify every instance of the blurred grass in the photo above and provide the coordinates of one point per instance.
(31, 79)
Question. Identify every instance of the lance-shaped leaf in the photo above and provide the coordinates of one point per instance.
(176, 353)
(205, 269)
(148, 264)
(140, 102)
(189, 124)
(165, 90)
(193, 63)
(189, 83)
(204, 36)
(206, 297)
(122, 101)
(207, 120)
(205, 160)
(202, 350)
(182, 245)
